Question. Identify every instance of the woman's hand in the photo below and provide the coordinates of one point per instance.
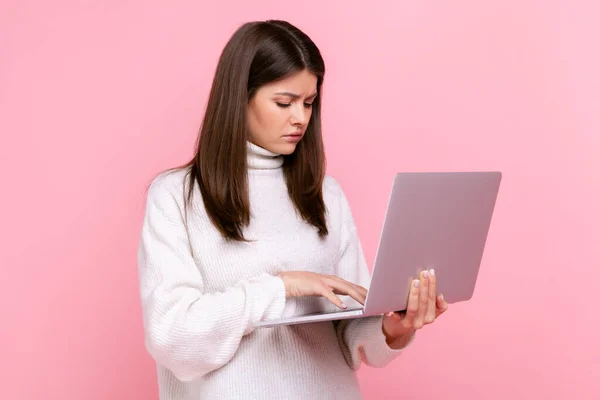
(304, 283)
(423, 309)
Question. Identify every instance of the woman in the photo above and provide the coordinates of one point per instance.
(252, 229)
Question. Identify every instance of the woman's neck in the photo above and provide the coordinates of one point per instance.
(261, 158)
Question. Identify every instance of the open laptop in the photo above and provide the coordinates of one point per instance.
(434, 220)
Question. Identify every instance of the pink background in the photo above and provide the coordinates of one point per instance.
(95, 97)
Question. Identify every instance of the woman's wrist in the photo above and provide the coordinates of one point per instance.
(398, 341)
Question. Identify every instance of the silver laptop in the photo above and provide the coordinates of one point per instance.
(434, 220)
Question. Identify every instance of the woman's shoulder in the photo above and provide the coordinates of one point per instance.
(331, 186)
(169, 183)
(338, 207)
(333, 193)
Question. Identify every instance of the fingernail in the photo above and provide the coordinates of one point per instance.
(344, 305)
(432, 272)
(416, 283)
(442, 297)
(425, 274)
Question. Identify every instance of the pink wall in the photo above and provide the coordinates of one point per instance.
(96, 98)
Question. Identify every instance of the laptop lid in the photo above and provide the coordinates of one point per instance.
(434, 220)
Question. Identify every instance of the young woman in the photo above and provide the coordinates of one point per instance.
(252, 229)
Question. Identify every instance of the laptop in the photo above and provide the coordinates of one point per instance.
(434, 220)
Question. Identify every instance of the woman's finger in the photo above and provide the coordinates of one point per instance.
(423, 299)
(441, 305)
(329, 295)
(344, 288)
(359, 289)
(412, 306)
(431, 303)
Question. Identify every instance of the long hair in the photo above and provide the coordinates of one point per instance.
(258, 53)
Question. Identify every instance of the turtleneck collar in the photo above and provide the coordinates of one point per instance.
(261, 158)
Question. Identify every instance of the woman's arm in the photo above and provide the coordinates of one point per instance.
(188, 331)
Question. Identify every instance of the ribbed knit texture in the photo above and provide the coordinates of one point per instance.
(201, 295)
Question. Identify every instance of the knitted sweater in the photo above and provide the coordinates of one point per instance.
(201, 296)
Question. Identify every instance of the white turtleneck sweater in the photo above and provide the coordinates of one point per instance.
(201, 296)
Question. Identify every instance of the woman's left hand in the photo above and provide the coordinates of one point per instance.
(423, 309)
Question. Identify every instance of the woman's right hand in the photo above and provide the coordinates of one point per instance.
(305, 283)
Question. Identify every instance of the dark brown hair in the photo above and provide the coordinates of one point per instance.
(258, 53)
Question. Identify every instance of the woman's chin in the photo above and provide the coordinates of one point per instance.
(285, 148)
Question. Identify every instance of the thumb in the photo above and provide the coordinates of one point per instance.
(395, 315)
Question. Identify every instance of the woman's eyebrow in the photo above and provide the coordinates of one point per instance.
(294, 95)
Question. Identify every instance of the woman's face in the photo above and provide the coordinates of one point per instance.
(279, 112)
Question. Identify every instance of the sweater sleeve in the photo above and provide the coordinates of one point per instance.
(362, 340)
(188, 330)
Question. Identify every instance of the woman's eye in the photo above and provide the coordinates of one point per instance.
(286, 105)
